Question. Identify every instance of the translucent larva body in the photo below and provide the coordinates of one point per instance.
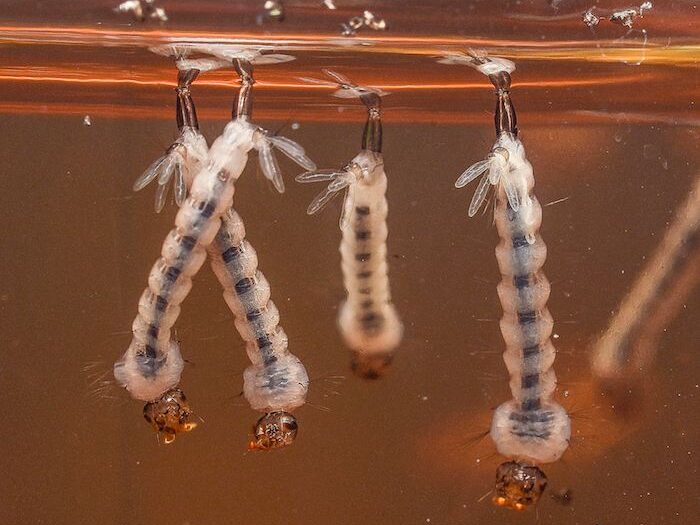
(199, 219)
(367, 319)
(276, 381)
(628, 345)
(532, 428)
(152, 364)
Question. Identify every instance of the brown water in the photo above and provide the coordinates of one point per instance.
(615, 150)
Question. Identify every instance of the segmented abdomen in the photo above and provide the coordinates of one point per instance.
(368, 320)
(152, 363)
(532, 426)
(526, 324)
(276, 380)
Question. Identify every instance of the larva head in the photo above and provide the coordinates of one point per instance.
(518, 485)
(274, 430)
(371, 366)
(169, 414)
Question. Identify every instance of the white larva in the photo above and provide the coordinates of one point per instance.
(368, 320)
(532, 428)
(151, 367)
(276, 381)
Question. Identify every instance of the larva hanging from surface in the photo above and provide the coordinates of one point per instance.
(368, 320)
(151, 367)
(531, 428)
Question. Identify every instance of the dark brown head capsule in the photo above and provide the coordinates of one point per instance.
(169, 414)
(274, 430)
(371, 366)
(518, 485)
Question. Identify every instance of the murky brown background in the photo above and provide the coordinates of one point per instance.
(77, 246)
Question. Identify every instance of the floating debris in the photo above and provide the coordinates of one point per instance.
(626, 16)
(142, 10)
(623, 17)
(329, 4)
(274, 10)
(590, 19)
(563, 496)
(87, 121)
(367, 19)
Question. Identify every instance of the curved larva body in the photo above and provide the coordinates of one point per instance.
(152, 364)
(276, 379)
(531, 426)
(367, 319)
(624, 350)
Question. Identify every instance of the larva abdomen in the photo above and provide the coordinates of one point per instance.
(367, 319)
(258, 322)
(520, 294)
(247, 292)
(526, 330)
(279, 386)
(161, 277)
(538, 436)
(516, 256)
(529, 360)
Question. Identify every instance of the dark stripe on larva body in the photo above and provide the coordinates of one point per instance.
(524, 280)
(231, 254)
(521, 281)
(542, 434)
(240, 273)
(253, 314)
(529, 351)
(244, 285)
(530, 404)
(172, 271)
(527, 317)
(519, 241)
(530, 380)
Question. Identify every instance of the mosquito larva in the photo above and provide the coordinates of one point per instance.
(276, 382)
(627, 347)
(151, 367)
(368, 320)
(531, 428)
